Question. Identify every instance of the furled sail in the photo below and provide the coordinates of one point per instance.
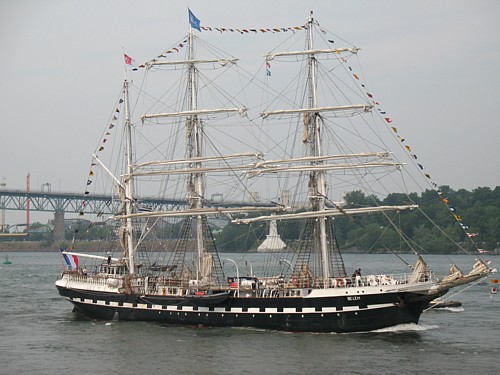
(455, 274)
(273, 241)
(420, 272)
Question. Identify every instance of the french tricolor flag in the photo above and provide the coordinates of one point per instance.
(71, 260)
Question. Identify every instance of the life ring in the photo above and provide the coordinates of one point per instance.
(340, 282)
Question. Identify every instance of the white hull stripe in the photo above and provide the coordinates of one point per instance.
(232, 310)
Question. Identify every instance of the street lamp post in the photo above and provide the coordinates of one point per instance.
(237, 274)
(247, 262)
(48, 185)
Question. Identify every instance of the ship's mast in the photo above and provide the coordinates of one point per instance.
(196, 163)
(194, 142)
(317, 192)
(129, 191)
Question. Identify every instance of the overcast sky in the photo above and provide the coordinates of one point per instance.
(435, 65)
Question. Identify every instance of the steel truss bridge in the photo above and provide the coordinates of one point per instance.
(61, 203)
(76, 203)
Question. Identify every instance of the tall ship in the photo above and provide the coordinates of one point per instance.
(285, 166)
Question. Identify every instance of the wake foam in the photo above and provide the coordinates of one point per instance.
(408, 327)
(448, 309)
(453, 309)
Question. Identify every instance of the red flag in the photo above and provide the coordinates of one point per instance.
(129, 60)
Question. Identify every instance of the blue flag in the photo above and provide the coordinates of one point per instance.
(193, 21)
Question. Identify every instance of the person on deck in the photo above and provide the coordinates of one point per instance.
(358, 277)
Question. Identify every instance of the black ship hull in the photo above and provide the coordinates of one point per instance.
(340, 314)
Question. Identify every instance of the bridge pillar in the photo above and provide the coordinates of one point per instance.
(59, 229)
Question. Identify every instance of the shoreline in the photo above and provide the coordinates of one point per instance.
(38, 246)
(90, 246)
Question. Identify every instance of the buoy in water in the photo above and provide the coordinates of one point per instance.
(7, 261)
(493, 290)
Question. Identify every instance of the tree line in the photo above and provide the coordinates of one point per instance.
(470, 219)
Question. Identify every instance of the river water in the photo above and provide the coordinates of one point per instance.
(39, 334)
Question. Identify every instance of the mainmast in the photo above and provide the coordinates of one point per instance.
(194, 136)
(195, 165)
(317, 184)
(129, 191)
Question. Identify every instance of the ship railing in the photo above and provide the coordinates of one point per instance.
(273, 293)
(382, 279)
(168, 281)
(161, 286)
(89, 279)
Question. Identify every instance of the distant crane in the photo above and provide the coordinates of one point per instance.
(27, 202)
(2, 223)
